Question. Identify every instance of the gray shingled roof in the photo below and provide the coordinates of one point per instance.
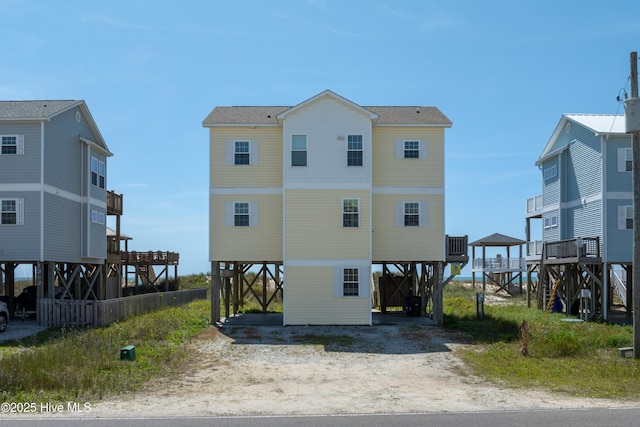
(244, 115)
(267, 116)
(33, 109)
(497, 239)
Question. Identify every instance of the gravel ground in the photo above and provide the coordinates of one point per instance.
(316, 370)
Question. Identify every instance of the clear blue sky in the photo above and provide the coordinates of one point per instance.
(150, 71)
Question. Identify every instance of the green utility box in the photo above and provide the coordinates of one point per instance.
(128, 353)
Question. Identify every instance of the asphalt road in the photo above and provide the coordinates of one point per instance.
(564, 418)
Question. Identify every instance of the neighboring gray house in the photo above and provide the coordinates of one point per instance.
(585, 211)
(53, 197)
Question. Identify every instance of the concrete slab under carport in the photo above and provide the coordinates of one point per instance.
(276, 319)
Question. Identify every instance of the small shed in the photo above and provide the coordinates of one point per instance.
(499, 270)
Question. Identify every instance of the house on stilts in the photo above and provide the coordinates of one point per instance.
(585, 213)
(54, 206)
(312, 198)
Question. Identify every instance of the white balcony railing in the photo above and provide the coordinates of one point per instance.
(534, 205)
(534, 249)
(499, 264)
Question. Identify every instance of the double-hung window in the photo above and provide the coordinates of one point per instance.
(350, 213)
(241, 214)
(97, 172)
(11, 212)
(241, 153)
(411, 214)
(354, 150)
(625, 159)
(411, 149)
(298, 150)
(11, 144)
(625, 217)
(550, 172)
(350, 282)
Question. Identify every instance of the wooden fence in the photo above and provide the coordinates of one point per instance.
(76, 313)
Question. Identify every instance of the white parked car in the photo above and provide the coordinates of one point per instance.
(4, 316)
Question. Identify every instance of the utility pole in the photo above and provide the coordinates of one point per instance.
(635, 175)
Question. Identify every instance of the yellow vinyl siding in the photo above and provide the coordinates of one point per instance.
(393, 243)
(309, 300)
(268, 171)
(260, 243)
(314, 225)
(391, 172)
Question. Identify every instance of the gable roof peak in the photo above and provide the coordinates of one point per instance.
(331, 94)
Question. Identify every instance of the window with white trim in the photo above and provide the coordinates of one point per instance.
(411, 214)
(98, 217)
(241, 214)
(625, 217)
(625, 159)
(98, 172)
(411, 149)
(350, 282)
(11, 145)
(354, 150)
(551, 221)
(350, 213)
(241, 154)
(550, 172)
(298, 150)
(11, 211)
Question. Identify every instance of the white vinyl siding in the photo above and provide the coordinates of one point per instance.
(11, 144)
(411, 149)
(406, 214)
(624, 159)
(241, 152)
(625, 217)
(11, 211)
(241, 214)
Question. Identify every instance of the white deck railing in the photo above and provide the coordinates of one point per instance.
(499, 264)
(534, 204)
(534, 248)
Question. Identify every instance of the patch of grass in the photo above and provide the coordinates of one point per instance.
(71, 364)
(580, 359)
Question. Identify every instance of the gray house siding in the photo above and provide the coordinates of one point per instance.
(617, 180)
(62, 237)
(23, 168)
(96, 247)
(551, 232)
(551, 186)
(63, 147)
(584, 168)
(619, 241)
(21, 242)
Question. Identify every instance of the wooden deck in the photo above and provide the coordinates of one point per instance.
(582, 250)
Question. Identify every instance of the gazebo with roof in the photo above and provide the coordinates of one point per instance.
(499, 270)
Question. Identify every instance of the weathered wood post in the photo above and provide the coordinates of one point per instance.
(215, 292)
(635, 174)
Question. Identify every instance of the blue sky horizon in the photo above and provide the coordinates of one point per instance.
(503, 71)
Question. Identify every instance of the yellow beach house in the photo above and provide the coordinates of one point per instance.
(317, 195)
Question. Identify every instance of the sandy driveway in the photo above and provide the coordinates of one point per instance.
(274, 370)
